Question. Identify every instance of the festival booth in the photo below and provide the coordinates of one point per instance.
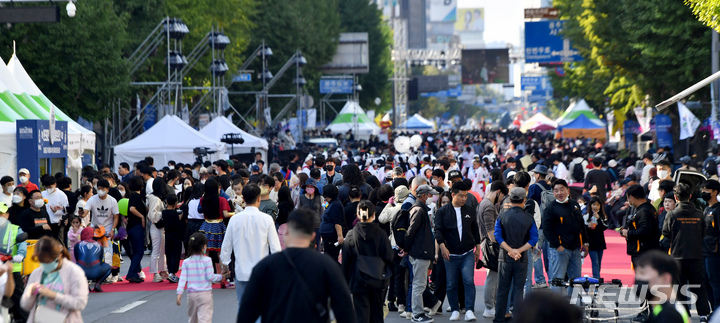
(353, 117)
(21, 99)
(419, 124)
(221, 126)
(580, 121)
(169, 139)
(538, 122)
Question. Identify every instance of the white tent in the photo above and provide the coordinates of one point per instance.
(418, 123)
(222, 125)
(8, 150)
(353, 117)
(80, 139)
(169, 139)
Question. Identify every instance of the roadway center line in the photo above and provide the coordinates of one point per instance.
(127, 307)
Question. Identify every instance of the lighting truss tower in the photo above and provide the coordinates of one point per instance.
(399, 57)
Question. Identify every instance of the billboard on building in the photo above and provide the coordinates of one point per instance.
(485, 66)
(470, 19)
(442, 10)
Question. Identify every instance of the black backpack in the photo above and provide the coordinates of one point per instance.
(399, 227)
(578, 173)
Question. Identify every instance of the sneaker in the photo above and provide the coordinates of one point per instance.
(462, 311)
(111, 279)
(157, 278)
(490, 313)
(455, 316)
(120, 279)
(401, 308)
(173, 278)
(147, 252)
(448, 309)
(703, 319)
(469, 316)
(135, 280)
(406, 315)
(142, 275)
(229, 284)
(434, 309)
(422, 318)
(541, 285)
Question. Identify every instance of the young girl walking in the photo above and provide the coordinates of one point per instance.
(197, 272)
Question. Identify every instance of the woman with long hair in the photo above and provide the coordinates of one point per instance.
(156, 206)
(367, 248)
(195, 218)
(285, 206)
(353, 176)
(137, 212)
(19, 204)
(215, 208)
(57, 285)
(596, 221)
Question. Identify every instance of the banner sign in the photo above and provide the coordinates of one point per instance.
(342, 86)
(630, 129)
(544, 43)
(663, 130)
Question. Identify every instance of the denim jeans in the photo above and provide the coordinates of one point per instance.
(712, 268)
(461, 267)
(136, 235)
(596, 258)
(564, 262)
(538, 266)
(529, 277)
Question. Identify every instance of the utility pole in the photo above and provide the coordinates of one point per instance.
(715, 86)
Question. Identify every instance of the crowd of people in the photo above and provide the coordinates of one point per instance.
(367, 226)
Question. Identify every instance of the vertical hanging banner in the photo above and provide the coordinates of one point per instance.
(688, 122)
(663, 125)
(630, 129)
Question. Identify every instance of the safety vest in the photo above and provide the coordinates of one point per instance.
(9, 235)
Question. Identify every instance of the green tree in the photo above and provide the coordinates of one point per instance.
(706, 11)
(78, 62)
(364, 16)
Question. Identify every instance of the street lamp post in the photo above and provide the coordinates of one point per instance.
(300, 81)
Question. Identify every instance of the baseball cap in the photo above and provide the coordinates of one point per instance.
(453, 174)
(24, 171)
(517, 195)
(255, 168)
(426, 189)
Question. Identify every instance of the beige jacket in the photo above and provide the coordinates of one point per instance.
(72, 300)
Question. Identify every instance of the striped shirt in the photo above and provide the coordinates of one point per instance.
(197, 272)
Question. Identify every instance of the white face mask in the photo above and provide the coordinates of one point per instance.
(51, 190)
(23, 179)
(101, 193)
(171, 167)
(122, 192)
(563, 201)
(662, 174)
(39, 203)
(202, 181)
(16, 199)
(582, 205)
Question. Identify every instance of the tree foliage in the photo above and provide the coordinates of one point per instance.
(706, 11)
(632, 49)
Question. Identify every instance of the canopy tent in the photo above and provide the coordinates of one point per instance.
(353, 117)
(538, 122)
(169, 139)
(8, 150)
(580, 121)
(80, 139)
(419, 124)
(222, 125)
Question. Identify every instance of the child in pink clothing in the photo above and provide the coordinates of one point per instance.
(197, 272)
(74, 235)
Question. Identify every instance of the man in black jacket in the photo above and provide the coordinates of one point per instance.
(421, 248)
(565, 233)
(711, 242)
(640, 229)
(685, 228)
(457, 234)
(516, 233)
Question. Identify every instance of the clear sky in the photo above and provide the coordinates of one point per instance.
(503, 19)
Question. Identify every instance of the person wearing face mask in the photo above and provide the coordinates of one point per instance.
(35, 220)
(487, 214)
(640, 227)
(655, 277)
(312, 200)
(56, 205)
(24, 179)
(86, 192)
(9, 233)
(333, 222)
(19, 205)
(104, 211)
(438, 180)
(664, 172)
(685, 228)
(330, 176)
(711, 241)
(8, 185)
(565, 232)
(58, 282)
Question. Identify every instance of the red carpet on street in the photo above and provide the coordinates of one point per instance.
(615, 265)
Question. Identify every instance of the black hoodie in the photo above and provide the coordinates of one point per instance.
(365, 239)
